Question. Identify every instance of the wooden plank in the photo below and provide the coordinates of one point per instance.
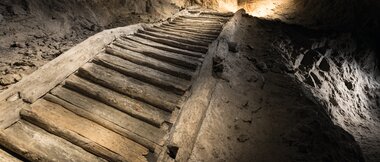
(203, 26)
(84, 133)
(220, 14)
(10, 112)
(174, 43)
(51, 74)
(35, 144)
(195, 29)
(197, 21)
(212, 18)
(197, 24)
(5, 157)
(129, 86)
(113, 119)
(173, 27)
(141, 59)
(162, 46)
(121, 102)
(195, 37)
(176, 38)
(208, 36)
(194, 109)
(148, 75)
(177, 59)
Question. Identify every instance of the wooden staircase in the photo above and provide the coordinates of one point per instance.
(121, 105)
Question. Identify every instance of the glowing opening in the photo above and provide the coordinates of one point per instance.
(258, 8)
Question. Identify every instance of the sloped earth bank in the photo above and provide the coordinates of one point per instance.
(285, 93)
(35, 32)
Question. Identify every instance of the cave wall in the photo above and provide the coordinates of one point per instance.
(343, 15)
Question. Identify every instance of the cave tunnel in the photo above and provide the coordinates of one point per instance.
(189, 80)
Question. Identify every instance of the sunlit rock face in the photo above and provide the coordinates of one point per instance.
(344, 15)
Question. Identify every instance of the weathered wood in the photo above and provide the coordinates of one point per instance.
(221, 19)
(220, 14)
(196, 24)
(129, 86)
(141, 59)
(10, 112)
(123, 103)
(208, 36)
(51, 74)
(177, 59)
(84, 133)
(194, 109)
(162, 46)
(173, 27)
(5, 157)
(193, 29)
(195, 37)
(113, 119)
(197, 21)
(174, 43)
(148, 75)
(176, 38)
(35, 144)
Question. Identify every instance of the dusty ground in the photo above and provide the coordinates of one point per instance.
(35, 32)
(264, 110)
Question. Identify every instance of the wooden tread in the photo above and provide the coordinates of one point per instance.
(35, 144)
(162, 46)
(173, 58)
(142, 60)
(83, 132)
(129, 86)
(109, 117)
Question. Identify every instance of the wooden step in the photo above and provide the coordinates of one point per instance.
(121, 102)
(195, 28)
(129, 86)
(212, 13)
(35, 144)
(109, 117)
(207, 36)
(203, 26)
(206, 18)
(182, 39)
(141, 59)
(174, 43)
(5, 157)
(190, 29)
(194, 37)
(177, 59)
(196, 21)
(218, 14)
(163, 46)
(84, 133)
(195, 24)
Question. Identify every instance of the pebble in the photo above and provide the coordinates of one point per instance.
(243, 138)
(262, 66)
(10, 79)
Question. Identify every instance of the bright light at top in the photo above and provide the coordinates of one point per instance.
(258, 8)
